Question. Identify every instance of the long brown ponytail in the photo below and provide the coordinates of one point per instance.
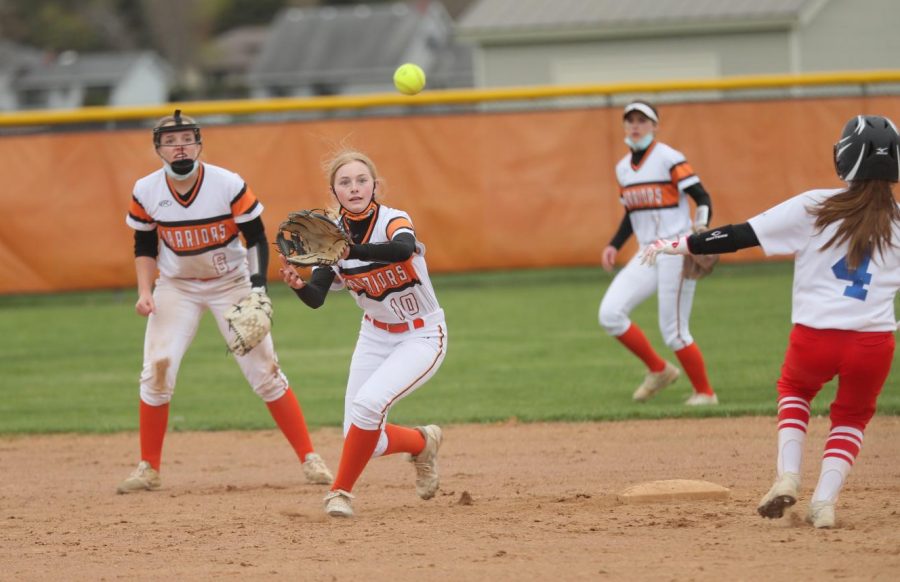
(866, 212)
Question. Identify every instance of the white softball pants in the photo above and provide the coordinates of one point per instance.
(387, 367)
(635, 283)
(180, 303)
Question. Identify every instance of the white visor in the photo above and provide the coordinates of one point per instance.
(643, 108)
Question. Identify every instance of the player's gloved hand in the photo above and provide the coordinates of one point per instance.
(250, 321)
(664, 246)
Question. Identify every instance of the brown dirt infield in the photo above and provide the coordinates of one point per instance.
(538, 503)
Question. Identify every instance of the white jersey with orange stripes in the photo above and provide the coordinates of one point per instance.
(653, 193)
(389, 292)
(827, 295)
(199, 235)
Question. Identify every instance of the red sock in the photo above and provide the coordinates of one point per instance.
(358, 448)
(289, 418)
(692, 361)
(635, 340)
(403, 440)
(154, 420)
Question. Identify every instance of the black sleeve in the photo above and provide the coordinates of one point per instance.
(625, 231)
(400, 248)
(146, 243)
(724, 239)
(700, 195)
(254, 233)
(316, 288)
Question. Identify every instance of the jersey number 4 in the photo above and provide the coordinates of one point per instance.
(859, 277)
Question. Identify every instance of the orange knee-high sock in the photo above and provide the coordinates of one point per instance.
(358, 448)
(692, 361)
(635, 340)
(154, 420)
(403, 440)
(289, 417)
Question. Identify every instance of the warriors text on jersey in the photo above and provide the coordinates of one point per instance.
(653, 193)
(198, 231)
(389, 292)
(827, 294)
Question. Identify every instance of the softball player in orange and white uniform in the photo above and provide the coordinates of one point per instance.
(655, 181)
(188, 217)
(846, 279)
(402, 338)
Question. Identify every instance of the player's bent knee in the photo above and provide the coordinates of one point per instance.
(270, 391)
(154, 398)
(614, 323)
(365, 416)
(678, 342)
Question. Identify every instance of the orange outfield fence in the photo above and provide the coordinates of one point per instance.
(487, 190)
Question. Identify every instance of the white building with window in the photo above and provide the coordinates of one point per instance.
(556, 42)
(72, 80)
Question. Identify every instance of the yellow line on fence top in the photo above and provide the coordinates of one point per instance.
(437, 97)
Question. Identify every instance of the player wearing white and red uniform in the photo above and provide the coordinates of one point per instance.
(402, 337)
(188, 219)
(655, 182)
(846, 247)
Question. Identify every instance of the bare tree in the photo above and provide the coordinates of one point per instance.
(177, 30)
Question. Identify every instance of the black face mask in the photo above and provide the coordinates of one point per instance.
(182, 167)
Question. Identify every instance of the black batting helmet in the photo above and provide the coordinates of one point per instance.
(869, 149)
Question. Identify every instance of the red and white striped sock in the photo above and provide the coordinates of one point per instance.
(841, 449)
(793, 418)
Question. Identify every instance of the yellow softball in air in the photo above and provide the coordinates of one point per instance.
(409, 79)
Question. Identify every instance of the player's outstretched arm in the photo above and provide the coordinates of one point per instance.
(724, 239)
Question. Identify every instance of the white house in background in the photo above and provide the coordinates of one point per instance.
(332, 50)
(547, 42)
(74, 80)
(14, 60)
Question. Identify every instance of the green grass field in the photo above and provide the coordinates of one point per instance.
(523, 344)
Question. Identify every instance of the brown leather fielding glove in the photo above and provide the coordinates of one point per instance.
(698, 266)
(311, 237)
